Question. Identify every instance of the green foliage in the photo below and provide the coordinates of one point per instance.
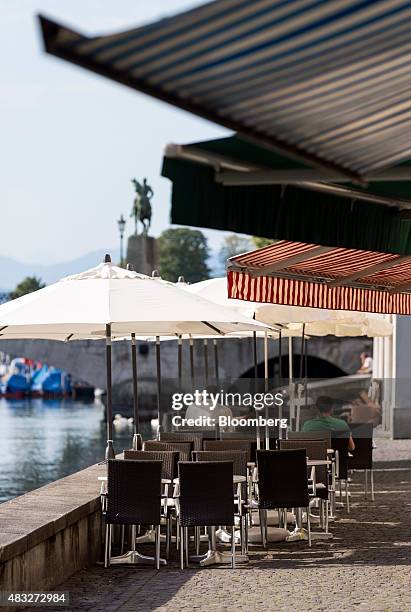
(233, 245)
(27, 285)
(259, 243)
(183, 251)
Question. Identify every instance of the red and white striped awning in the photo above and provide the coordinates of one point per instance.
(299, 274)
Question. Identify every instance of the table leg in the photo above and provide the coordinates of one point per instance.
(133, 557)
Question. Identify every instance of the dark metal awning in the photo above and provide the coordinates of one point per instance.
(327, 82)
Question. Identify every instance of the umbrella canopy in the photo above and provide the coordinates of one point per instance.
(81, 305)
(316, 322)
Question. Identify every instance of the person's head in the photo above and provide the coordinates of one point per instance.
(324, 405)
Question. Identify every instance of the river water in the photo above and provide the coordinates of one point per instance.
(43, 440)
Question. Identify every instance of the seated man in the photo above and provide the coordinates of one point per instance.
(325, 421)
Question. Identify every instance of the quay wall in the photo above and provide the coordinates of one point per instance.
(50, 533)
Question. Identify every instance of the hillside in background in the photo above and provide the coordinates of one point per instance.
(12, 271)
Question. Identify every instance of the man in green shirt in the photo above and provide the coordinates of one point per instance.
(325, 421)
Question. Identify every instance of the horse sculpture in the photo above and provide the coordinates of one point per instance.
(141, 210)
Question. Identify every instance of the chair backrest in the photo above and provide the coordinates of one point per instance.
(315, 449)
(340, 444)
(183, 436)
(184, 448)
(169, 460)
(133, 492)
(282, 479)
(206, 493)
(323, 434)
(362, 454)
(239, 459)
(228, 445)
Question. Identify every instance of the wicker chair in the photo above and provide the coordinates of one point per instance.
(183, 448)
(229, 445)
(195, 438)
(205, 499)
(315, 449)
(362, 454)
(240, 491)
(169, 471)
(323, 434)
(169, 459)
(339, 442)
(133, 498)
(282, 484)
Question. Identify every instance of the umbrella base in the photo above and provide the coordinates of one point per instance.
(132, 557)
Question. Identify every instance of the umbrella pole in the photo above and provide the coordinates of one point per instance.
(280, 377)
(180, 362)
(267, 433)
(280, 356)
(216, 367)
(290, 378)
(217, 382)
(301, 383)
(158, 363)
(137, 440)
(206, 362)
(191, 346)
(255, 385)
(110, 454)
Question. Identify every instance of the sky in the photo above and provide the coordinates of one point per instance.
(71, 140)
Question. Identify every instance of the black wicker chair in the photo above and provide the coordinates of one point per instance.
(282, 484)
(169, 459)
(195, 438)
(339, 442)
(323, 434)
(133, 498)
(169, 471)
(240, 491)
(229, 445)
(315, 449)
(184, 448)
(205, 499)
(361, 459)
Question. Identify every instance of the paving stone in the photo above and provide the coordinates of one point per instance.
(365, 567)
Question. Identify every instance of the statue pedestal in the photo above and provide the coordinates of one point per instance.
(142, 253)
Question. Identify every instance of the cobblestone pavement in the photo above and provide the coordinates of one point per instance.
(365, 567)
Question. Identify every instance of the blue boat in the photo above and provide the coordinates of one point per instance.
(56, 382)
(17, 383)
(38, 377)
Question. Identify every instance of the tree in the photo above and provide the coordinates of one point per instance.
(27, 285)
(233, 245)
(183, 251)
(259, 242)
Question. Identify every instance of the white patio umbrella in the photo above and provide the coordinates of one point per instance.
(297, 320)
(107, 302)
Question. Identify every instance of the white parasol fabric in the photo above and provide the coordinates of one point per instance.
(80, 306)
(316, 321)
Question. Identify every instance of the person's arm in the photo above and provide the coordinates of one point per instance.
(351, 445)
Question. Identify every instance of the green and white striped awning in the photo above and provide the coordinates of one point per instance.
(325, 81)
